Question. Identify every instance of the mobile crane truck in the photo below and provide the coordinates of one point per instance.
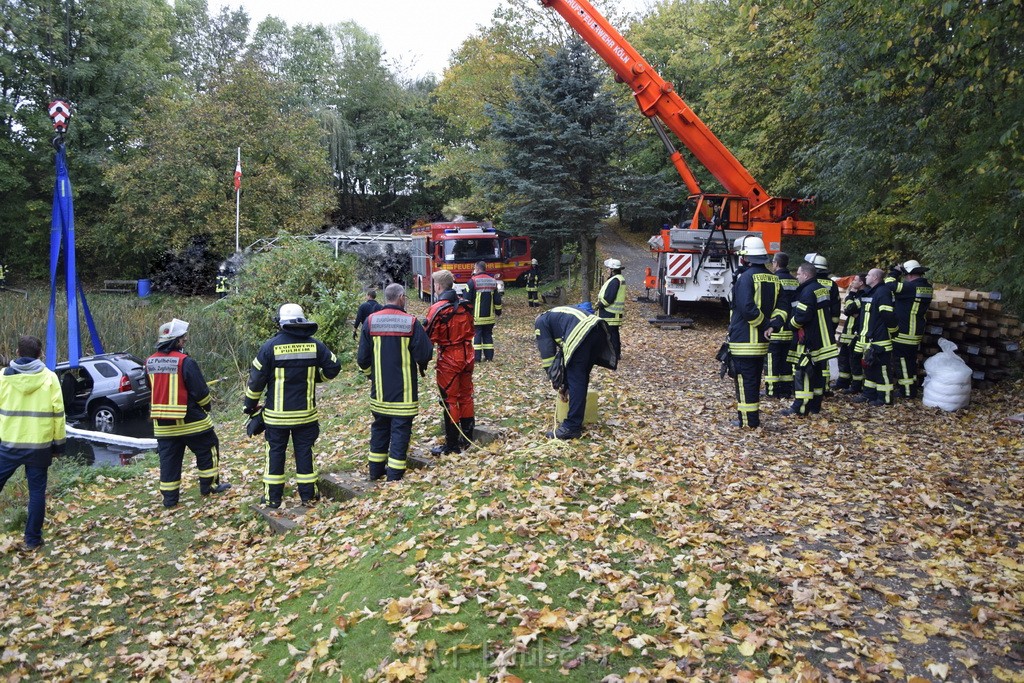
(695, 259)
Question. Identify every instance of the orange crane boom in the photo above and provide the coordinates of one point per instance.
(659, 101)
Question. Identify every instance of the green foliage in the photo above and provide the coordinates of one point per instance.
(179, 185)
(299, 272)
(560, 134)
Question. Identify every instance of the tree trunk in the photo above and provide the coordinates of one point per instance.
(588, 258)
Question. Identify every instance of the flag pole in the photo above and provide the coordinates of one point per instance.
(238, 194)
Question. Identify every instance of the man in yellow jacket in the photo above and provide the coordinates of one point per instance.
(32, 429)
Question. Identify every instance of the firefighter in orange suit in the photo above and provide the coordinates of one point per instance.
(450, 327)
(180, 410)
(485, 298)
(392, 346)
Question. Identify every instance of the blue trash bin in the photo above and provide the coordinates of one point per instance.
(143, 289)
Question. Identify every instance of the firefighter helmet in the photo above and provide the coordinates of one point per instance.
(289, 314)
(752, 249)
(175, 329)
(291, 318)
(819, 262)
(912, 267)
(533, 262)
(613, 263)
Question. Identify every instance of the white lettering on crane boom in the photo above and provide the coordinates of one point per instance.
(600, 32)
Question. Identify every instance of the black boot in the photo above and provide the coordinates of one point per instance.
(451, 438)
(467, 425)
(377, 470)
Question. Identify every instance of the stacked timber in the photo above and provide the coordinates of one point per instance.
(987, 338)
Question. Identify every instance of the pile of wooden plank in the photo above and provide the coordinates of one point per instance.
(987, 338)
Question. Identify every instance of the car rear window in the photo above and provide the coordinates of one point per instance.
(107, 370)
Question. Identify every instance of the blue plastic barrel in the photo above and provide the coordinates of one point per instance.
(143, 288)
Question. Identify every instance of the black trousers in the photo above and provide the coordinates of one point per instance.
(171, 450)
(303, 437)
(877, 382)
(389, 444)
(904, 358)
(483, 341)
(778, 377)
(532, 298)
(808, 386)
(748, 389)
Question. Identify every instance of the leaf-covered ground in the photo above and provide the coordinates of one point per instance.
(863, 544)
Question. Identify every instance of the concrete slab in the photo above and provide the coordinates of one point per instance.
(283, 519)
(342, 486)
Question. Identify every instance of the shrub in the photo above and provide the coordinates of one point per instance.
(299, 272)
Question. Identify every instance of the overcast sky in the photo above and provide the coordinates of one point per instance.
(420, 34)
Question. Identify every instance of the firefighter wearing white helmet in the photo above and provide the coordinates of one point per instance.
(180, 410)
(288, 366)
(912, 296)
(533, 285)
(820, 264)
(755, 291)
(611, 302)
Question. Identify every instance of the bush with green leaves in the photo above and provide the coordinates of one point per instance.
(299, 272)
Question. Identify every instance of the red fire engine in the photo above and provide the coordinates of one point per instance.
(457, 246)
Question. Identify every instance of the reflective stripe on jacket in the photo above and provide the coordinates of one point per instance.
(289, 365)
(612, 300)
(878, 321)
(812, 311)
(911, 300)
(31, 414)
(485, 298)
(181, 402)
(753, 299)
(393, 346)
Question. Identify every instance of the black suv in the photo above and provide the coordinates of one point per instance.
(104, 388)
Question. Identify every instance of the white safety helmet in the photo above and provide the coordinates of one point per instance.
(171, 331)
(290, 314)
(912, 267)
(752, 249)
(291, 319)
(819, 262)
(613, 263)
(533, 262)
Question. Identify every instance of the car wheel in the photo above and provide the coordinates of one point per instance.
(103, 417)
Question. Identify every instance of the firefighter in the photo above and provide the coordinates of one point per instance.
(533, 285)
(485, 298)
(571, 343)
(371, 305)
(32, 429)
(820, 264)
(778, 376)
(874, 343)
(3, 276)
(223, 284)
(851, 372)
(180, 410)
(912, 296)
(810, 325)
(392, 346)
(288, 366)
(450, 327)
(754, 294)
(611, 302)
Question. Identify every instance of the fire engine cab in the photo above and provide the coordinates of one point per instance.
(457, 246)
